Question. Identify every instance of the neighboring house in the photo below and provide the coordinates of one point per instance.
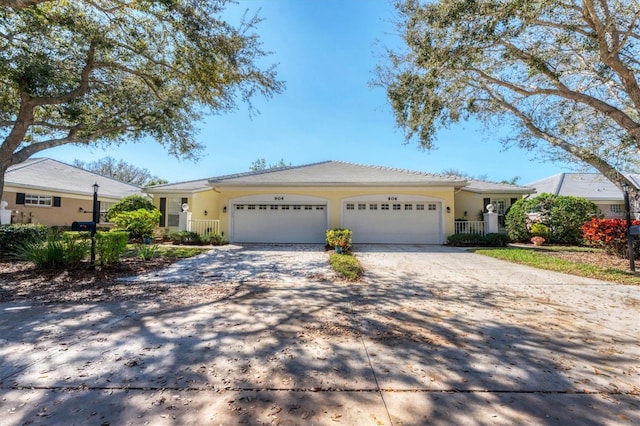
(592, 186)
(298, 204)
(48, 192)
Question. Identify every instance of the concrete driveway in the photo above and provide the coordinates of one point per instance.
(431, 335)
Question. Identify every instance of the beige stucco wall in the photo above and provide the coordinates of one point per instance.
(334, 197)
(68, 212)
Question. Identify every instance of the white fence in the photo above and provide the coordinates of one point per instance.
(204, 227)
(469, 227)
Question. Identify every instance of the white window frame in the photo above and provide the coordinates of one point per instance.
(34, 200)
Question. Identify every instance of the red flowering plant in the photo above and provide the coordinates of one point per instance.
(609, 234)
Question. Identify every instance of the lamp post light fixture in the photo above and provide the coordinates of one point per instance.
(96, 219)
(627, 208)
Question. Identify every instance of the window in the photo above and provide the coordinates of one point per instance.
(384, 206)
(296, 207)
(251, 207)
(38, 200)
(350, 206)
(174, 207)
(285, 207)
(262, 207)
(408, 206)
(419, 206)
(239, 206)
(373, 207)
(273, 207)
(396, 206)
(308, 207)
(616, 208)
(104, 207)
(319, 207)
(432, 207)
(362, 206)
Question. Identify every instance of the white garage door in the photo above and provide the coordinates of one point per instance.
(394, 222)
(279, 223)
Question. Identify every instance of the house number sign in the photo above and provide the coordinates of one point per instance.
(278, 198)
(392, 198)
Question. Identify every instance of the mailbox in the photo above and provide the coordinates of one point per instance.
(634, 230)
(83, 226)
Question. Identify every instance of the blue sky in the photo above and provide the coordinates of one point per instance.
(326, 51)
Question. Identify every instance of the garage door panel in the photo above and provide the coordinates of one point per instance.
(412, 223)
(279, 223)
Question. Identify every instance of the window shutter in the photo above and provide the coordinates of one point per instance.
(20, 198)
(184, 201)
(163, 212)
(57, 201)
(485, 202)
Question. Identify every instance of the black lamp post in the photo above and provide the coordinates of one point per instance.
(627, 208)
(96, 219)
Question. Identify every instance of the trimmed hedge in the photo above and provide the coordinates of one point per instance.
(489, 240)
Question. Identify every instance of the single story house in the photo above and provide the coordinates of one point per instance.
(592, 186)
(49, 192)
(298, 204)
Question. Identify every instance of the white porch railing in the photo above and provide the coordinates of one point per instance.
(204, 227)
(469, 227)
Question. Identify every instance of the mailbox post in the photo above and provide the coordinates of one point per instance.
(96, 219)
(627, 208)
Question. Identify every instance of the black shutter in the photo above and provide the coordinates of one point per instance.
(485, 203)
(97, 214)
(163, 212)
(20, 198)
(184, 201)
(57, 201)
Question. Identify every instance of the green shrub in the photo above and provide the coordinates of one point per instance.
(147, 251)
(497, 240)
(129, 204)
(110, 246)
(489, 240)
(185, 237)
(139, 223)
(346, 265)
(339, 238)
(539, 230)
(15, 237)
(215, 239)
(562, 215)
(56, 251)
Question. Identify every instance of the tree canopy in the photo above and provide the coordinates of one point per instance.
(120, 170)
(106, 71)
(560, 72)
(261, 164)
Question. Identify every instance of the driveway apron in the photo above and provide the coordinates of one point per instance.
(430, 335)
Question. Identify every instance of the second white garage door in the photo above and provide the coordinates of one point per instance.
(393, 222)
(278, 223)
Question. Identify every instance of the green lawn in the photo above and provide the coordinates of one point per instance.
(544, 259)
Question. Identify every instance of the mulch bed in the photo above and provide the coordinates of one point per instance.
(86, 284)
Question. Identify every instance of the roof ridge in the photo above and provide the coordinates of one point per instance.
(266, 171)
(559, 185)
(399, 169)
(39, 160)
(176, 183)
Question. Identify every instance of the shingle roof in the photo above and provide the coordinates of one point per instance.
(480, 187)
(48, 174)
(336, 173)
(592, 186)
(186, 186)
